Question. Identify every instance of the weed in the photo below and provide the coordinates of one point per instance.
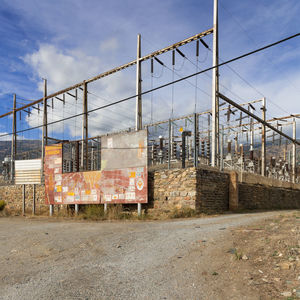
(184, 212)
(93, 212)
(215, 273)
(238, 255)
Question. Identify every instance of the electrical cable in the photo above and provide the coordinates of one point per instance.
(180, 79)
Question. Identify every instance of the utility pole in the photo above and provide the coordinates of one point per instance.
(84, 142)
(196, 150)
(251, 136)
(44, 129)
(215, 90)
(263, 139)
(138, 117)
(294, 151)
(169, 144)
(13, 141)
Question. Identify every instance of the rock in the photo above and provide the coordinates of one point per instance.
(260, 271)
(277, 279)
(284, 265)
(286, 294)
(245, 257)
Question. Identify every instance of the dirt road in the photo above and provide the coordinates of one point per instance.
(178, 259)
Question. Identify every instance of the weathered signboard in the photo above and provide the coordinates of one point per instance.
(28, 171)
(53, 174)
(122, 179)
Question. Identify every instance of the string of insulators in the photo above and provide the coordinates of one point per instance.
(159, 61)
(173, 57)
(197, 48)
(174, 146)
(204, 44)
(152, 67)
(180, 53)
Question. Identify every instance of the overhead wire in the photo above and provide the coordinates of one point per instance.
(183, 78)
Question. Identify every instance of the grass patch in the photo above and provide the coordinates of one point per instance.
(2, 205)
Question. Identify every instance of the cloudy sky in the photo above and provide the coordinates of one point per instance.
(68, 41)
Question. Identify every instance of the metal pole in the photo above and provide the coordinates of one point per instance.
(251, 136)
(105, 208)
(222, 149)
(33, 200)
(44, 128)
(138, 118)
(23, 205)
(196, 150)
(294, 151)
(51, 208)
(263, 139)
(84, 142)
(183, 150)
(169, 144)
(13, 140)
(139, 209)
(76, 209)
(215, 89)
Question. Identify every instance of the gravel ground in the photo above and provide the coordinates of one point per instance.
(177, 259)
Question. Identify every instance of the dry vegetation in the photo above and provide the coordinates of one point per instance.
(270, 253)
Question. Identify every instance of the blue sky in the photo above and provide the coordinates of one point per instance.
(68, 41)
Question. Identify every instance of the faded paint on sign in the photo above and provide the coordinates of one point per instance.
(126, 184)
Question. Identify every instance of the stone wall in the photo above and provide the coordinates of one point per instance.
(13, 196)
(201, 189)
(257, 192)
(212, 191)
(175, 188)
(266, 197)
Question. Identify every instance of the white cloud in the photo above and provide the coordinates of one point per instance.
(110, 44)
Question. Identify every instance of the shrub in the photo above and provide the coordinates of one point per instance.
(93, 212)
(2, 204)
(184, 212)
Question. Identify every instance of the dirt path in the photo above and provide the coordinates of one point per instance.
(182, 259)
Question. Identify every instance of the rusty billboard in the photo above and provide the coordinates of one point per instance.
(123, 177)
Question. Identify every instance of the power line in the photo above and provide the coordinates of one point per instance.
(172, 82)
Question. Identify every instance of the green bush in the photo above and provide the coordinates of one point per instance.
(2, 204)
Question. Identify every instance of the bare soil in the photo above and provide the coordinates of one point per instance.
(241, 256)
